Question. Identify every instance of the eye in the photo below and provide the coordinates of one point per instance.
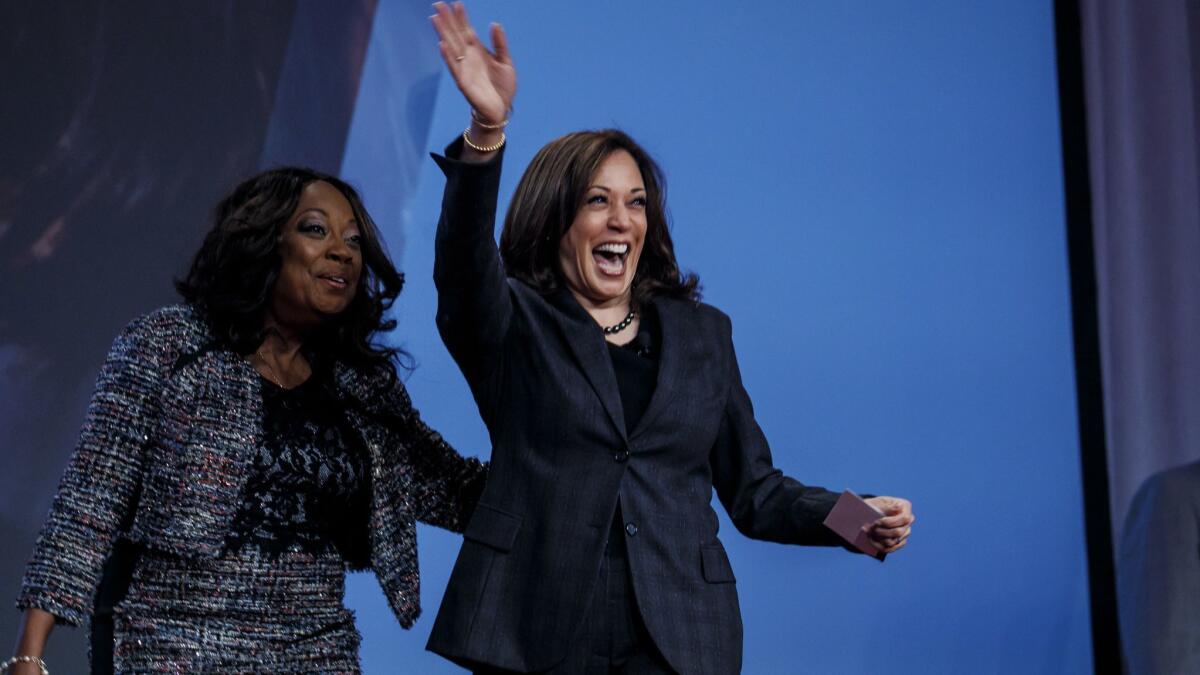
(639, 202)
(312, 227)
(597, 199)
(354, 240)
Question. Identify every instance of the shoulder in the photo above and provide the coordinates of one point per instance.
(178, 321)
(1169, 499)
(698, 314)
(1173, 489)
(164, 333)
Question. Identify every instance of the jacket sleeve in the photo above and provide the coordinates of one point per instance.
(444, 485)
(474, 307)
(99, 488)
(762, 502)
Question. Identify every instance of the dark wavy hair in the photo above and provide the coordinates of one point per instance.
(234, 272)
(552, 191)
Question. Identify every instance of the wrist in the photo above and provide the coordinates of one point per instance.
(481, 135)
(487, 122)
(26, 662)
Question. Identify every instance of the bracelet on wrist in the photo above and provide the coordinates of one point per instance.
(484, 124)
(483, 148)
(4, 667)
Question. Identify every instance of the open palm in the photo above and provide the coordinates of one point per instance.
(486, 78)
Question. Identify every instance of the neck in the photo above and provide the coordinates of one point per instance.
(606, 312)
(281, 341)
(279, 358)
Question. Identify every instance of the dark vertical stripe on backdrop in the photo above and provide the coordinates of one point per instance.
(1089, 391)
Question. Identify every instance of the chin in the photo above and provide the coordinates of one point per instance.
(329, 312)
(606, 293)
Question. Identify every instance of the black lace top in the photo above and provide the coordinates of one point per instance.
(307, 490)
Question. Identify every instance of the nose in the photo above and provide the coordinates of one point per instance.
(619, 217)
(340, 252)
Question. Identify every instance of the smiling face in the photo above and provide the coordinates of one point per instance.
(599, 253)
(321, 258)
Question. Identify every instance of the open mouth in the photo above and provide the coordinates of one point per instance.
(334, 281)
(610, 258)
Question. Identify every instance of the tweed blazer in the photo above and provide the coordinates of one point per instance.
(165, 451)
(563, 460)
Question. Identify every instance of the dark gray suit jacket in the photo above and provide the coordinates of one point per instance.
(1158, 575)
(543, 380)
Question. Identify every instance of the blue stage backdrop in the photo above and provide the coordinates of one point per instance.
(872, 191)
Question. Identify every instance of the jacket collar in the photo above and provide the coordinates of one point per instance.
(587, 342)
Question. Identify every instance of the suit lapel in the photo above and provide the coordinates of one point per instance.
(587, 342)
(670, 353)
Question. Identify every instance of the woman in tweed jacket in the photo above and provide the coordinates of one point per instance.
(250, 446)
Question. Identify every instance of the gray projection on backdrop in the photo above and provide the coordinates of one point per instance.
(1139, 62)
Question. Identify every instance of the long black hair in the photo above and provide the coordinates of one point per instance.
(550, 194)
(234, 272)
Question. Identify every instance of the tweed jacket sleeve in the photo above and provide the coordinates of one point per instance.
(99, 488)
(439, 486)
(445, 486)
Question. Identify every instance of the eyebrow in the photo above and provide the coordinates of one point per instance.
(324, 213)
(606, 189)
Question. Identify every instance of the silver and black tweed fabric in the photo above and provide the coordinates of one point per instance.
(248, 612)
(177, 422)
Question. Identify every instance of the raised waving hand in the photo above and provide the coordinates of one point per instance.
(487, 79)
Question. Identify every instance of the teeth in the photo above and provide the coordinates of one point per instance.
(619, 249)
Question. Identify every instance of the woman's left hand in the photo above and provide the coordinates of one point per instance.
(487, 79)
(890, 533)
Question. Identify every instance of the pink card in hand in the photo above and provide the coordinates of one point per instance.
(848, 517)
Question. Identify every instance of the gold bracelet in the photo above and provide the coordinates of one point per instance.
(483, 148)
(484, 124)
(4, 667)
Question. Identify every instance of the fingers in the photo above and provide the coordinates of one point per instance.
(464, 25)
(889, 544)
(890, 532)
(443, 23)
(892, 522)
(500, 44)
(454, 29)
(894, 506)
(447, 55)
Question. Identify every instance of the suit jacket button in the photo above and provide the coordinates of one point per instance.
(621, 456)
(631, 528)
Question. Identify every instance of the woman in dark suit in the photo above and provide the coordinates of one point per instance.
(247, 448)
(614, 403)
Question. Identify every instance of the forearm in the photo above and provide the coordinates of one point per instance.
(99, 486)
(35, 631)
(474, 307)
(446, 485)
(781, 509)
